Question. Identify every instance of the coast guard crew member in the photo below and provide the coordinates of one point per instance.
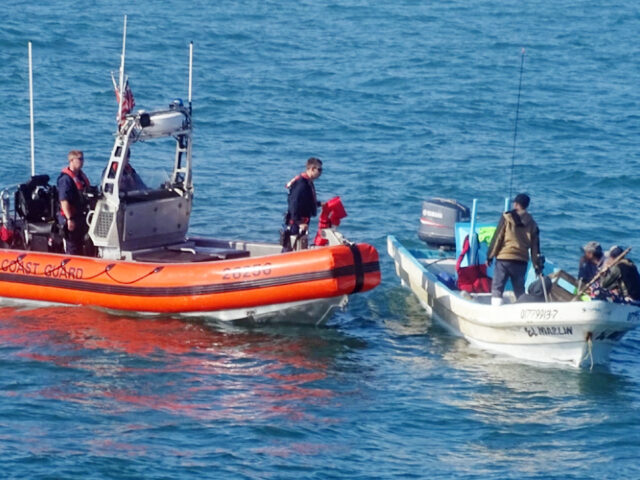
(72, 182)
(302, 201)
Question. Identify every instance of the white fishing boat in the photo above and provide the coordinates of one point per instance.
(560, 330)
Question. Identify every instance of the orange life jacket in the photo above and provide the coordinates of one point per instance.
(81, 182)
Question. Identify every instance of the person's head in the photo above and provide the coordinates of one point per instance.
(614, 252)
(314, 168)
(76, 160)
(593, 251)
(521, 202)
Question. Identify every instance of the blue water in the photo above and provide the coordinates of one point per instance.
(402, 102)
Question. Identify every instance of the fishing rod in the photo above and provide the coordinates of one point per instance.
(515, 129)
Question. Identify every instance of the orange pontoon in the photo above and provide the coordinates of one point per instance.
(208, 286)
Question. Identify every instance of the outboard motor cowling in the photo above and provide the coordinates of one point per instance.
(438, 221)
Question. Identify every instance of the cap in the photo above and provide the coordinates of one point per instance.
(614, 251)
(592, 247)
(522, 199)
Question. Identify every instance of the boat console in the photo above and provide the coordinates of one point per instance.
(124, 222)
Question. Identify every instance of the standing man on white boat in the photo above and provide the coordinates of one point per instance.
(517, 233)
(302, 202)
(72, 182)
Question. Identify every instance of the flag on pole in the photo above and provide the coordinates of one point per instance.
(128, 101)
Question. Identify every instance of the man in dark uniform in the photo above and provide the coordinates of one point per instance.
(72, 182)
(302, 200)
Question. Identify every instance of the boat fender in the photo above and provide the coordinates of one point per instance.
(358, 266)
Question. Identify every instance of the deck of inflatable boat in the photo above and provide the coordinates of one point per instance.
(204, 250)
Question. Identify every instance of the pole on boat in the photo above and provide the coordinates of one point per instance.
(190, 72)
(472, 232)
(544, 287)
(506, 204)
(515, 128)
(33, 148)
(121, 79)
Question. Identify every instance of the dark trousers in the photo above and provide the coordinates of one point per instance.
(75, 240)
(505, 270)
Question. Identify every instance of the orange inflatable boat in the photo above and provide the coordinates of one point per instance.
(138, 256)
(208, 286)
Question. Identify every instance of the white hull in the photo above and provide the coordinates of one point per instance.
(580, 334)
(309, 312)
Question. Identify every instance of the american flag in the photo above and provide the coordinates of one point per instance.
(127, 103)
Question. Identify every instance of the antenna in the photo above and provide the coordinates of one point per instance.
(190, 72)
(515, 129)
(33, 148)
(124, 44)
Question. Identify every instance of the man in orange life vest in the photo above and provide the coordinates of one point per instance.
(72, 182)
(302, 200)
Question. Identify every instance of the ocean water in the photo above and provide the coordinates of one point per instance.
(403, 102)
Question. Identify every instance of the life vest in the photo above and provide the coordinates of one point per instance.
(472, 278)
(332, 212)
(81, 182)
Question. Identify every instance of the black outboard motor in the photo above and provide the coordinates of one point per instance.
(438, 220)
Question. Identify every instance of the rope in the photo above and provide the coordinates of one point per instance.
(106, 269)
(17, 261)
(155, 270)
(589, 353)
(61, 266)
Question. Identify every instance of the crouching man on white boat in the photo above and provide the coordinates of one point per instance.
(621, 278)
(517, 233)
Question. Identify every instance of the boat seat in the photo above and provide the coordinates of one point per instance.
(36, 200)
(40, 228)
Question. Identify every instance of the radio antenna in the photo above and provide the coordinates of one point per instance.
(190, 72)
(121, 79)
(33, 148)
